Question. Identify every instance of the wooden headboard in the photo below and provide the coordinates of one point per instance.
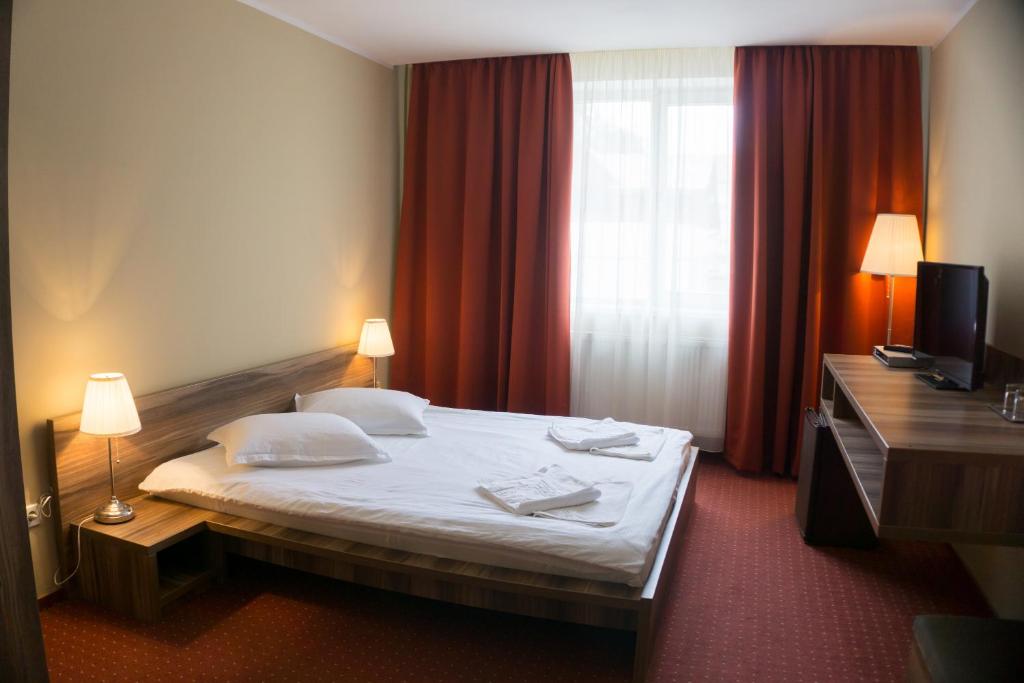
(175, 422)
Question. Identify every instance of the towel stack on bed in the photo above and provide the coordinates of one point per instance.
(606, 433)
(554, 493)
(611, 438)
(546, 489)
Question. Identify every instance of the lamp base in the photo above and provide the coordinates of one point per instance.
(114, 512)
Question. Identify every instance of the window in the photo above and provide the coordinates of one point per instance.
(652, 186)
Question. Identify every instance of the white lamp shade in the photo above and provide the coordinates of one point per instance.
(109, 409)
(894, 247)
(375, 341)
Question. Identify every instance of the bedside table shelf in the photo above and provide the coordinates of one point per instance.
(188, 566)
(143, 566)
(175, 584)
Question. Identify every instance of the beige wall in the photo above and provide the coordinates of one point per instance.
(195, 188)
(975, 215)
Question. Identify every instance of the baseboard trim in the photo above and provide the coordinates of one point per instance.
(50, 599)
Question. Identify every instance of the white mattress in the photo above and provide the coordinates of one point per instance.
(425, 499)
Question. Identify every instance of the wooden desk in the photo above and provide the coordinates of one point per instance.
(927, 464)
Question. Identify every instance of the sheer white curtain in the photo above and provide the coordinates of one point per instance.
(652, 182)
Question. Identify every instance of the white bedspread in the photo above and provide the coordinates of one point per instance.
(425, 500)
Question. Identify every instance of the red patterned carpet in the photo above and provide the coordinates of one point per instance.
(750, 602)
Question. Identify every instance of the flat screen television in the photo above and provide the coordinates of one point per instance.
(949, 324)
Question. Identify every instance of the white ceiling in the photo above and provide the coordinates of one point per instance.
(410, 31)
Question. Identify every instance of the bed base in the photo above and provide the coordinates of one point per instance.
(594, 603)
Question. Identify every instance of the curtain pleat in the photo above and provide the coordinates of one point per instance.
(481, 314)
(825, 138)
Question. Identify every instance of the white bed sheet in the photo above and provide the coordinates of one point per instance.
(425, 500)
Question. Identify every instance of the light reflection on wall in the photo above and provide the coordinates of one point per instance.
(67, 251)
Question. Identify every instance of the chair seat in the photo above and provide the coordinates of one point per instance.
(955, 649)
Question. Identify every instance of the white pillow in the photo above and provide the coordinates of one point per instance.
(377, 411)
(295, 440)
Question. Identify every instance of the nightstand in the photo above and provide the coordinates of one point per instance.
(140, 567)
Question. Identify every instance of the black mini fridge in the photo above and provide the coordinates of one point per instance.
(828, 510)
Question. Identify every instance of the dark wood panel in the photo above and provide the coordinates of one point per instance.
(390, 560)
(955, 497)
(1002, 368)
(21, 647)
(118, 576)
(175, 422)
(454, 587)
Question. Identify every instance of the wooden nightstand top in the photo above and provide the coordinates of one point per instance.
(158, 524)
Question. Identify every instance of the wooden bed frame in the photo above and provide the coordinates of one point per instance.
(175, 422)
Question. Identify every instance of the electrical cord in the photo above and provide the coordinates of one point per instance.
(45, 501)
(78, 553)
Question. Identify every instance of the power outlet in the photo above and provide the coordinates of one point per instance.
(32, 512)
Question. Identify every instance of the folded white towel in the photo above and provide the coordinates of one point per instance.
(650, 445)
(607, 511)
(600, 434)
(548, 488)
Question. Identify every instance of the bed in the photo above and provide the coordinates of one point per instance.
(424, 500)
(415, 524)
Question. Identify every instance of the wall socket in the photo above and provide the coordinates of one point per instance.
(32, 512)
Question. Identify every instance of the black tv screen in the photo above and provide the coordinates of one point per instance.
(949, 323)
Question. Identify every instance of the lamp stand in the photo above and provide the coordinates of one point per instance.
(890, 295)
(114, 512)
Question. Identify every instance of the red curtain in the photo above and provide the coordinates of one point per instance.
(825, 138)
(481, 314)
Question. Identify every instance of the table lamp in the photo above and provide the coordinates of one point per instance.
(109, 410)
(893, 251)
(375, 342)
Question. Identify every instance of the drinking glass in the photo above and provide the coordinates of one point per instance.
(1013, 392)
